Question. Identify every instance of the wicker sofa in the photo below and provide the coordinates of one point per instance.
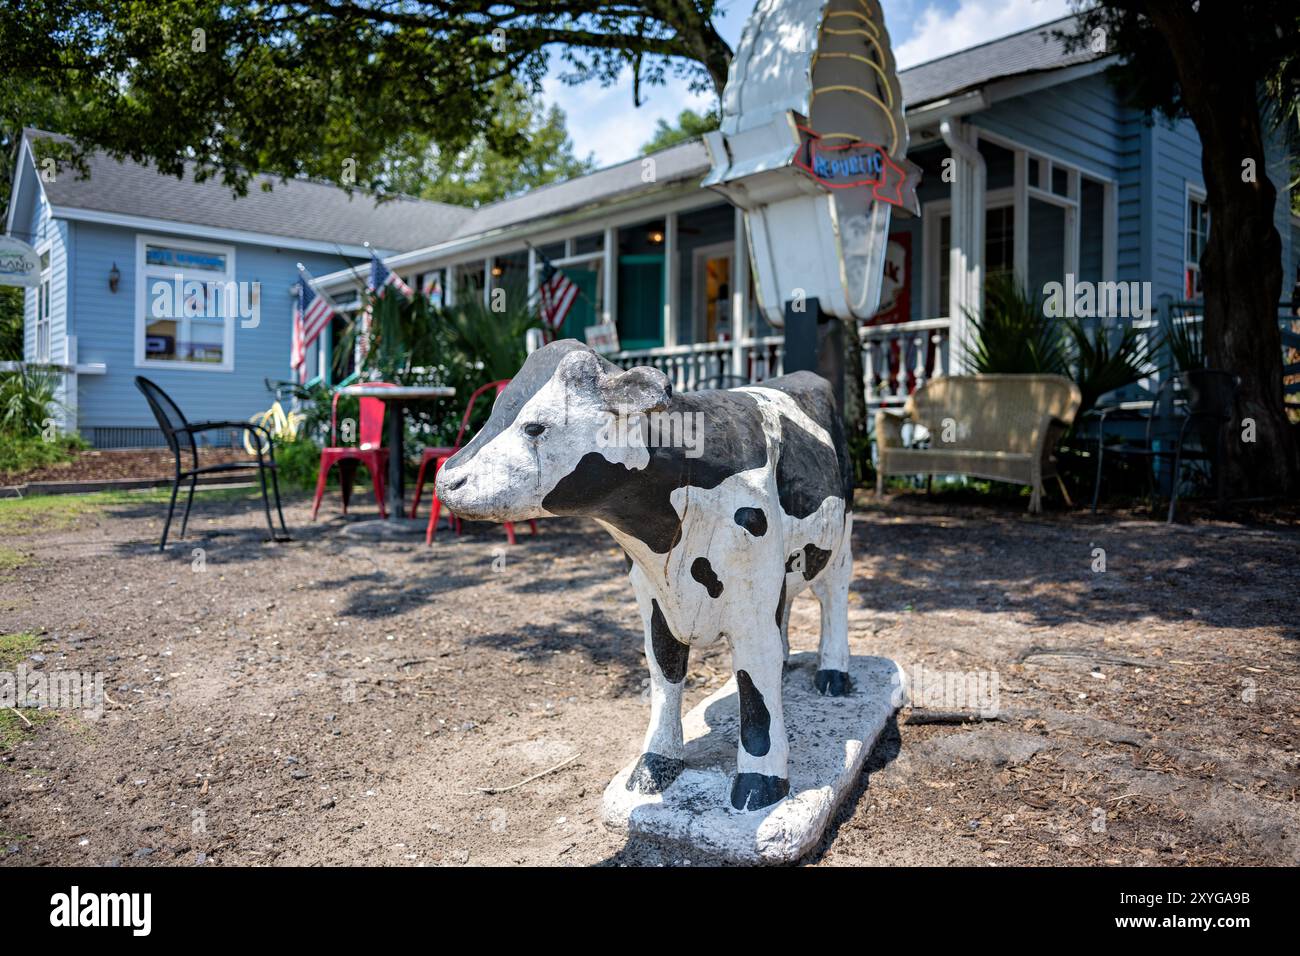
(1000, 427)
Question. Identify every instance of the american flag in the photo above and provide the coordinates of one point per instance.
(311, 315)
(381, 276)
(297, 351)
(557, 296)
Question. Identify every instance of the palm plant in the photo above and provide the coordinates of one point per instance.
(26, 396)
(1185, 344)
(1100, 368)
(1012, 335)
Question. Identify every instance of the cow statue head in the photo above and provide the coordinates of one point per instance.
(565, 403)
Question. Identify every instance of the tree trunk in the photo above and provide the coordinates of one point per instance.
(1241, 266)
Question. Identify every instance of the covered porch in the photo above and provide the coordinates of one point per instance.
(990, 206)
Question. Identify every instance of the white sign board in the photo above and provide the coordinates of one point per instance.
(813, 147)
(603, 337)
(19, 263)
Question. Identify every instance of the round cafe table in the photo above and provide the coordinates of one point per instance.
(397, 397)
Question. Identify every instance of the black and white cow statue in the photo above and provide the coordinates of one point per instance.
(742, 505)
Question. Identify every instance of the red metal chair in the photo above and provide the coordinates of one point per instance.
(440, 455)
(369, 451)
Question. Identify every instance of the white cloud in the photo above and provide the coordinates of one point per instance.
(603, 121)
(939, 31)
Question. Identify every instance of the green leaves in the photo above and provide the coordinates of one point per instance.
(26, 397)
(1012, 335)
(1101, 366)
(317, 87)
(690, 124)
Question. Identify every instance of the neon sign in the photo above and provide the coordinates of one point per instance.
(847, 165)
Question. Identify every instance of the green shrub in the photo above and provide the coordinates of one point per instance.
(26, 399)
(1098, 368)
(1011, 335)
(19, 455)
(298, 463)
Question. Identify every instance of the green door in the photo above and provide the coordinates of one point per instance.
(641, 301)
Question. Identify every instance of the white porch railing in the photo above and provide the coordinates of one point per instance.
(690, 366)
(897, 359)
(900, 357)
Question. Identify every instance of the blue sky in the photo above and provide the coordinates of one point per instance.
(602, 120)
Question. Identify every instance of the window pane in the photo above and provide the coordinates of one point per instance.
(469, 281)
(1060, 181)
(586, 244)
(999, 240)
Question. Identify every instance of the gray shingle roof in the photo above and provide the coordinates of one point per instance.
(1028, 51)
(679, 163)
(297, 208)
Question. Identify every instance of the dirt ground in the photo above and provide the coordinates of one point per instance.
(341, 700)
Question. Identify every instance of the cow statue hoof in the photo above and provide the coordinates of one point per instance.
(833, 683)
(754, 791)
(654, 773)
(727, 504)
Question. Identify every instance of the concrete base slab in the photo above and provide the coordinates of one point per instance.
(830, 738)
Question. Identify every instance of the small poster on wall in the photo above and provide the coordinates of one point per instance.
(602, 337)
(896, 290)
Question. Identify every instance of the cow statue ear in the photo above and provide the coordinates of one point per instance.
(638, 391)
(580, 369)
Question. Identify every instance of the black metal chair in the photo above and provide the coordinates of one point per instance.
(1205, 398)
(179, 431)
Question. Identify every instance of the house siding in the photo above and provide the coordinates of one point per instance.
(105, 324)
(1175, 167)
(1083, 123)
(52, 236)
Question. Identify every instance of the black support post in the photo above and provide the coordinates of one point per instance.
(814, 342)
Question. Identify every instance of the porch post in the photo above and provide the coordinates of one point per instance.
(487, 282)
(739, 294)
(532, 273)
(966, 252)
(1020, 218)
(670, 278)
(609, 311)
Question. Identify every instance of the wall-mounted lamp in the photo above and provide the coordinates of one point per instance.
(656, 236)
(114, 277)
(498, 271)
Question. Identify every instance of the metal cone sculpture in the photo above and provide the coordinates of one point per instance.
(813, 147)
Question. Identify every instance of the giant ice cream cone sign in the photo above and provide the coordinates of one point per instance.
(813, 146)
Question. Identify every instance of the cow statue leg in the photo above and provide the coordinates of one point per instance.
(661, 754)
(785, 631)
(832, 590)
(762, 777)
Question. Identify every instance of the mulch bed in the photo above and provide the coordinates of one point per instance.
(137, 463)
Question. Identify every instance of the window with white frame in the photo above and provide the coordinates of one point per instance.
(1198, 233)
(43, 311)
(187, 302)
(999, 245)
